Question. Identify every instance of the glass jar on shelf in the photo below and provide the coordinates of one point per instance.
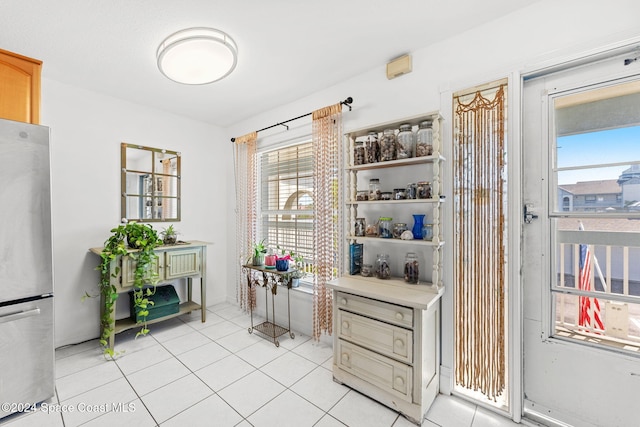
(388, 145)
(359, 227)
(399, 194)
(410, 192)
(398, 229)
(386, 195)
(372, 148)
(372, 230)
(384, 225)
(427, 232)
(424, 139)
(406, 144)
(374, 189)
(383, 268)
(362, 196)
(423, 190)
(411, 268)
(366, 270)
(358, 153)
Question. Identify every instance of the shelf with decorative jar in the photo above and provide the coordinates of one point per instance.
(386, 342)
(420, 200)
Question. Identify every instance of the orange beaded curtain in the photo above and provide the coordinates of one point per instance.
(480, 268)
(327, 137)
(246, 177)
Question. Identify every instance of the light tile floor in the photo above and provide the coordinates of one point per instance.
(187, 373)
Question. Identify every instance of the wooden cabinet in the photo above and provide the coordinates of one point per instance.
(172, 263)
(387, 341)
(20, 87)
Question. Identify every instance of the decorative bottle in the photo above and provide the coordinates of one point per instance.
(411, 268)
(383, 269)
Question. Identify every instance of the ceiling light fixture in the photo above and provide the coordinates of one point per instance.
(197, 56)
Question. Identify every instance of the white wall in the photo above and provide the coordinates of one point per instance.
(86, 132)
(547, 33)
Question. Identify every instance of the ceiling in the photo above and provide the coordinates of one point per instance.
(287, 49)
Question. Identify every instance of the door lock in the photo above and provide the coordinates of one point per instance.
(528, 215)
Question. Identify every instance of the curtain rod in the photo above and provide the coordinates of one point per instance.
(346, 102)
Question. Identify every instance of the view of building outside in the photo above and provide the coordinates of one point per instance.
(597, 203)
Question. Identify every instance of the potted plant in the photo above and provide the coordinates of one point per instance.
(144, 239)
(298, 273)
(259, 249)
(169, 235)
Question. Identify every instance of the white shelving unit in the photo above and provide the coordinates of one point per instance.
(387, 332)
(418, 166)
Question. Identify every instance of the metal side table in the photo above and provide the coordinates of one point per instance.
(269, 279)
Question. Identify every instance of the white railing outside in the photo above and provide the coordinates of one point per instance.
(614, 278)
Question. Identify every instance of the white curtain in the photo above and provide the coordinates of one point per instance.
(246, 177)
(327, 146)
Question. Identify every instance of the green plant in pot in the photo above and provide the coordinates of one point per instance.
(259, 249)
(169, 235)
(144, 239)
(299, 272)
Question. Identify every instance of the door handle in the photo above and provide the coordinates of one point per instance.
(528, 215)
(15, 316)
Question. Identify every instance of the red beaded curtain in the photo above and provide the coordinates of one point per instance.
(246, 172)
(480, 238)
(327, 146)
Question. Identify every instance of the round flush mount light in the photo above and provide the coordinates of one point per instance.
(197, 56)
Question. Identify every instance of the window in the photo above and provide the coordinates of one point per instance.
(596, 287)
(286, 205)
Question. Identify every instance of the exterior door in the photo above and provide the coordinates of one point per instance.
(579, 253)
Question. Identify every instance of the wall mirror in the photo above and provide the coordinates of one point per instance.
(150, 184)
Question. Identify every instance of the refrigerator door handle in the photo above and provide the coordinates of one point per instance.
(20, 315)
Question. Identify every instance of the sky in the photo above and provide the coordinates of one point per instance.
(608, 146)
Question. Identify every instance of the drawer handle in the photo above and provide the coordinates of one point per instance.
(343, 301)
(20, 315)
(345, 358)
(399, 316)
(345, 325)
(400, 381)
(399, 343)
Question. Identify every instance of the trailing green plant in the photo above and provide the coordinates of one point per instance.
(128, 236)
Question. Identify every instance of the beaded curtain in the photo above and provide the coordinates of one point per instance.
(246, 177)
(480, 239)
(327, 137)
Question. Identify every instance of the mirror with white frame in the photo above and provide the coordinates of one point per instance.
(150, 184)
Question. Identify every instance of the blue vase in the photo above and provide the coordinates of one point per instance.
(418, 219)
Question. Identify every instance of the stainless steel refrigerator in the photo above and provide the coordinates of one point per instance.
(26, 267)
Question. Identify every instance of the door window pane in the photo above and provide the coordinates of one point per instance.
(596, 216)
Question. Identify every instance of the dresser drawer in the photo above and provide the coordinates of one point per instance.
(385, 373)
(382, 337)
(394, 314)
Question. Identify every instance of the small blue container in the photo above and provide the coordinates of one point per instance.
(282, 264)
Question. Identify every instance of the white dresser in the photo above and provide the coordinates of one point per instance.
(386, 341)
